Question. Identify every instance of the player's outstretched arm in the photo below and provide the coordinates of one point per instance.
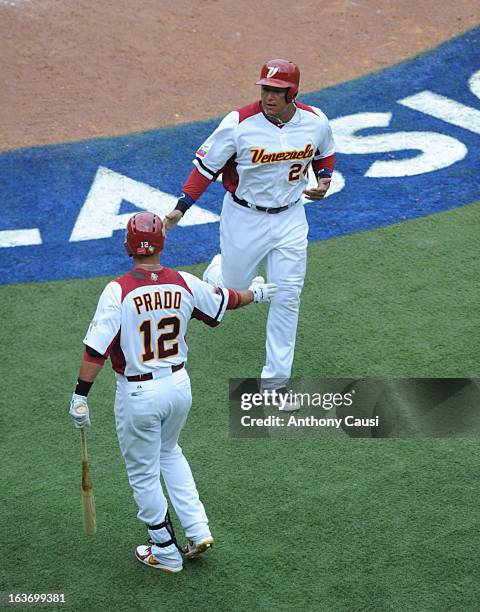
(193, 188)
(210, 303)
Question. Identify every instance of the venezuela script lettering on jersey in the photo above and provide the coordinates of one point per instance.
(259, 156)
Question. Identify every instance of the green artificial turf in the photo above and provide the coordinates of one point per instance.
(300, 523)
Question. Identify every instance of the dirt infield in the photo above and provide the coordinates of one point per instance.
(79, 69)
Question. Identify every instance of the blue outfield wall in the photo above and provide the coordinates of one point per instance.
(46, 187)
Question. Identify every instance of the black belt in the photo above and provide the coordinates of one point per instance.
(149, 376)
(271, 211)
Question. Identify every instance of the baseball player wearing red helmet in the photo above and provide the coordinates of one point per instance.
(140, 323)
(263, 152)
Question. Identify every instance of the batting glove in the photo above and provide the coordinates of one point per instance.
(263, 292)
(79, 411)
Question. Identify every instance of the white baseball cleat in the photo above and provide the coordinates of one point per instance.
(193, 549)
(212, 271)
(144, 555)
(286, 402)
(289, 406)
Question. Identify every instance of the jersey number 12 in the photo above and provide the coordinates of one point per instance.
(167, 336)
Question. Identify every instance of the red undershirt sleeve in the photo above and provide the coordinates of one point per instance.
(233, 299)
(93, 356)
(91, 359)
(195, 184)
(326, 162)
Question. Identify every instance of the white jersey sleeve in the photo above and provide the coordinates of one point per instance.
(106, 322)
(210, 302)
(218, 148)
(326, 145)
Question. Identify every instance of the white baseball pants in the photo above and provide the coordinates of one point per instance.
(248, 238)
(149, 416)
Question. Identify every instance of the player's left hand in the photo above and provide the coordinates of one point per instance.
(318, 192)
(79, 411)
(263, 292)
(171, 220)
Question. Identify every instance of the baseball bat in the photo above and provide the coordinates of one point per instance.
(89, 514)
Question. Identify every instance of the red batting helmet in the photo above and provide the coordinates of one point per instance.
(281, 73)
(144, 234)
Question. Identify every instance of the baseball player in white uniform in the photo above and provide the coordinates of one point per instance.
(140, 323)
(263, 152)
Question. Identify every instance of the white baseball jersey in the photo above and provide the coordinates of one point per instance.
(262, 163)
(142, 317)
